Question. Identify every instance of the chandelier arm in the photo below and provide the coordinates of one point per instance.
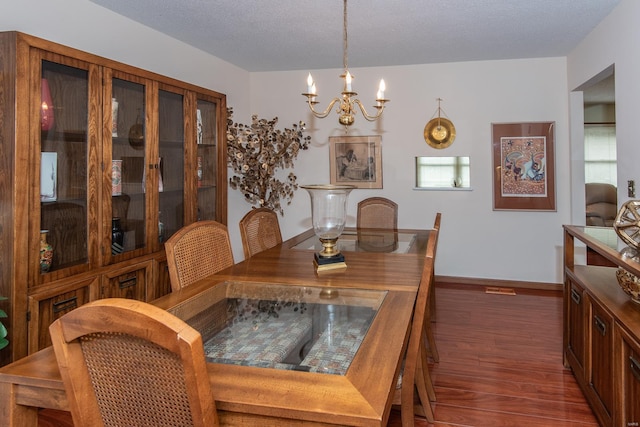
(325, 113)
(367, 115)
(346, 109)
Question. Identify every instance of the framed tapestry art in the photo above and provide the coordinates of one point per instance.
(356, 160)
(523, 162)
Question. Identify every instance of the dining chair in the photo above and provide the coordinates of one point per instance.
(377, 212)
(196, 251)
(430, 341)
(415, 375)
(127, 362)
(259, 230)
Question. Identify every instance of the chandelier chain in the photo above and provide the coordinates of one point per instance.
(346, 101)
(345, 42)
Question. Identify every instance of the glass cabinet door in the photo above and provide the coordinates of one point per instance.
(64, 166)
(128, 165)
(207, 159)
(171, 185)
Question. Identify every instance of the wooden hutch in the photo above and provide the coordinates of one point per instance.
(88, 144)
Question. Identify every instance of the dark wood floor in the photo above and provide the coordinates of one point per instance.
(500, 363)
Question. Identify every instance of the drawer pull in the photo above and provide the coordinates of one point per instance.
(64, 305)
(575, 296)
(600, 325)
(127, 283)
(635, 367)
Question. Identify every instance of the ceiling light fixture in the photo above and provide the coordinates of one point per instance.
(346, 109)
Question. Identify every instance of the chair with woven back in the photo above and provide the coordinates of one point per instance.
(196, 251)
(377, 212)
(259, 230)
(127, 362)
(415, 375)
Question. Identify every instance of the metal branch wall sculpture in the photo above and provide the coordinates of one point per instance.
(256, 152)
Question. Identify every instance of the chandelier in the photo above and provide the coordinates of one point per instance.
(346, 110)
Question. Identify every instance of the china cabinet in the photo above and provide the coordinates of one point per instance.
(103, 161)
(602, 326)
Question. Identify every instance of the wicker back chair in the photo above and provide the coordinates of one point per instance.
(259, 230)
(126, 362)
(377, 212)
(196, 251)
(415, 372)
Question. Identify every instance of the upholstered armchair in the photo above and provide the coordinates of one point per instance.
(601, 204)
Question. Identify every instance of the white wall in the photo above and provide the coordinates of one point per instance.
(476, 241)
(613, 42)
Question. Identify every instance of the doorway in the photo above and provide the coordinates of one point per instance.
(600, 152)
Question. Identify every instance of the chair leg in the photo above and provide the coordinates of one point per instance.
(432, 300)
(430, 342)
(426, 393)
(406, 409)
(429, 338)
(424, 376)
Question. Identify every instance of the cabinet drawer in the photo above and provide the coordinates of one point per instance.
(127, 282)
(47, 306)
(576, 328)
(627, 370)
(601, 378)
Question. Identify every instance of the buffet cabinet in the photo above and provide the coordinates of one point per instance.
(601, 338)
(100, 163)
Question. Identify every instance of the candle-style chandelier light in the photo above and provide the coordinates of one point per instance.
(346, 109)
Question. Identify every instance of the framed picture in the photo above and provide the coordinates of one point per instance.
(356, 160)
(523, 164)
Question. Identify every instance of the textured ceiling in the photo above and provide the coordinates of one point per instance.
(277, 35)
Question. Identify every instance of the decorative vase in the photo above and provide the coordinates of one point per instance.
(328, 215)
(46, 108)
(199, 125)
(116, 177)
(46, 252)
(117, 237)
(136, 134)
(114, 117)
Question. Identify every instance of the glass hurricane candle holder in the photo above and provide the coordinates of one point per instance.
(328, 215)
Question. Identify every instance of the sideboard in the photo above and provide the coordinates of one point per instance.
(601, 330)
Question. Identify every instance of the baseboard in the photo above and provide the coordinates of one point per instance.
(500, 283)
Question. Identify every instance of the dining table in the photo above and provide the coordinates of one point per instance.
(333, 372)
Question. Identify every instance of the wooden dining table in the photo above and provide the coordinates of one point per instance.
(249, 395)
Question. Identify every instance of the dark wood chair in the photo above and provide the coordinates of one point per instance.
(259, 230)
(196, 251)
(415, 376)
(126, 362)
(377, 212)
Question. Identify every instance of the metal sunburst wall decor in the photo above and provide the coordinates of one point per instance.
(256, 152)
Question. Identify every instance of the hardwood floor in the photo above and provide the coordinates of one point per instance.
(500, 363)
